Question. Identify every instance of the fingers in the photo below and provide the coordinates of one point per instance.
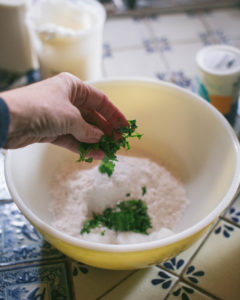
(83, 131)
(70, 143)
(92, 99)
(95, 118)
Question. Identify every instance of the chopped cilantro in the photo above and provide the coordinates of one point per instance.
(128, 215)
(128, 195)
(109, 146)
(144, 190)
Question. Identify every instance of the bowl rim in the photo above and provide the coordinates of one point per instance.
(149, 245)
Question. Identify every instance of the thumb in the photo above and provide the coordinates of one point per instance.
(85, 132)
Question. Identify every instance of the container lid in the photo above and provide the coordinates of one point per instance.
(219, 60)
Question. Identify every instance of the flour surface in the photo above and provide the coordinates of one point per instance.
(77, 194)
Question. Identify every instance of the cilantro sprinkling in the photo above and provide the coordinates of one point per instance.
(128, 195)
(144, 190)
(109, 146)
(128, 215)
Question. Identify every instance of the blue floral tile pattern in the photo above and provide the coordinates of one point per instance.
(35, 282)
(151, 283)
(164, 44)
(225, 230)
(149, 45)
(163, 279)
(174, 264)
(79, 267)
(180, 79)
(107, 51)
(162, 47)
(206, 38)
(19, 240)
(234, 215)
(192, 274)
(185, 292)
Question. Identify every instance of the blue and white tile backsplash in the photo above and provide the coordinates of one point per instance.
(162, 47)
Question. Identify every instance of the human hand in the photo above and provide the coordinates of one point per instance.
(57, 110)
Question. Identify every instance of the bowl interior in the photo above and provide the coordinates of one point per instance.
(180, 129)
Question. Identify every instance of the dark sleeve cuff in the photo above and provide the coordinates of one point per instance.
(4, 122)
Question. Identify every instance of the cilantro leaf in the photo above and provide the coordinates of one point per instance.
(144, 190)
(128, 215)
(110, 147)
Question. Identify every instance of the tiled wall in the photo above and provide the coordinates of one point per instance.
(161, 47)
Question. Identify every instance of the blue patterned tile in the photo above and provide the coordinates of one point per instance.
(149, 45)
(182, 58)
(233, 213)
(107, 50)
(35, 282)
(215, 268)
(162, 76)
(19, 240)
(178, 27)
(221, 37)
(164, 44)
(181, 79)
(185, 292)
(224, 229)
(174, 264)
(151, 283)
(193, 274)
(224, 21)
(132, 62)
(164, 279)
(94, 282)
(216, 36)
(125, 33)
(207, 38)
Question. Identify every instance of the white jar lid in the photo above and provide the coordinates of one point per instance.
(219, 60)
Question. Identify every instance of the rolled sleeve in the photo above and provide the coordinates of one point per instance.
(4, 122)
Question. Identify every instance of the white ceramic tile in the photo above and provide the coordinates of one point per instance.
(90, 283)
(134, 62)
(225, 21)
(125, 32)
(152, 283)
(235, 43)
(182, 57)
(180, 27)
(178, 263)
(216, 267)
(186, 292)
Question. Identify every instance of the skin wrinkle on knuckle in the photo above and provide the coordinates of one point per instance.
(107, 111)
(66, 82)
(84, 95)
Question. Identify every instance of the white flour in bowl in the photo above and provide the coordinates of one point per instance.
(77, 193)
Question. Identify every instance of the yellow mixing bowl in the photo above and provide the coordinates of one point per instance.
(180, 129)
